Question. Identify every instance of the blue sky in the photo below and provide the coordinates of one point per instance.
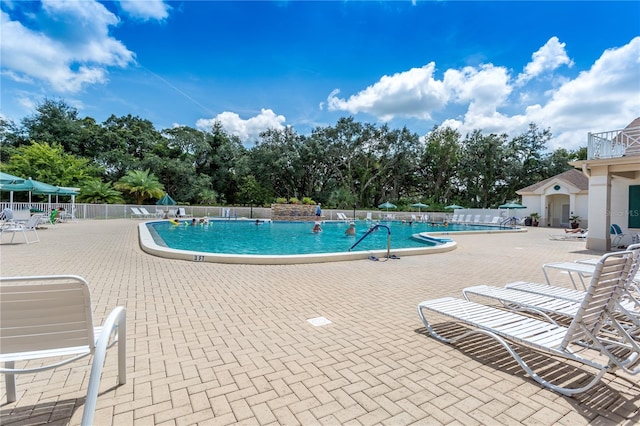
(573, 67)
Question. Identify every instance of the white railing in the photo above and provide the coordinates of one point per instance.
(123, 211)
(614, 143)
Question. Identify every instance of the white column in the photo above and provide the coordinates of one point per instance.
(599, 208)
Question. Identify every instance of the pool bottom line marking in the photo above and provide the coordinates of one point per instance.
(319, 321)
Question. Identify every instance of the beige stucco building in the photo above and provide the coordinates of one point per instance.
(613, 170)
(559, 198)
(603, 190)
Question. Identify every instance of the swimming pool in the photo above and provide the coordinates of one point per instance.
(242, 241)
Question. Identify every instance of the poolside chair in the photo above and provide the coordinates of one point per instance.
(65, 215)
(50, 219)
(594, 332)
(145, 213)
(63, 328)
(182, 213)
(570, 236)
(16, 227)
(342, 217)
(467, 218)
(495, 220)
(135, 213)
(476, 219)
(616, 233)
(6, 215)
(584, 268)
(454, 218)
(369, 216)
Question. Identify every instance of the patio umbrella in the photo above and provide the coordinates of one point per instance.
(10, 179)
(31, 185)
(454, 207)
(420, 206)
(387, 205)
(166, 201)
(511, 206)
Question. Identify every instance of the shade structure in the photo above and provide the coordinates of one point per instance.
(419, 206)
(31, 185)
(166, 200)
(387, 205)
(453, 207)
(67, 191)
(6, 178)
(511, 206)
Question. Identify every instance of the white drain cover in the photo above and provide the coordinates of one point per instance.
(318, 321)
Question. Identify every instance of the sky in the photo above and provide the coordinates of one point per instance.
(496, 66)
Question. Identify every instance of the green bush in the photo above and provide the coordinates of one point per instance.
(281, 200)
(307, 201)
(294, 200)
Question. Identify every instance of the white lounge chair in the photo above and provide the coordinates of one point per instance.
(66, 215)
(135, 213)
(476, 219)
(369, 216)
(342, 217)
(571, 236)
(454, 218)
(487, 219)
(62, 328)
(585, 270)
(495, 220)
(467, 218)
(182, 213)
(16, 227)
(549, 301)
(6, 215)
(582, 341)
(145, 213)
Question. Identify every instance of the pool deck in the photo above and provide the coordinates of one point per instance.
(217, 344)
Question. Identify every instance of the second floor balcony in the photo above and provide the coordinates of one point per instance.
(615, 143)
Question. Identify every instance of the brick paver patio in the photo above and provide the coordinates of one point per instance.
(216, 344)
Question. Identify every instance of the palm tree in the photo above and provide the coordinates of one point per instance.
(141, 185)
(97, 192)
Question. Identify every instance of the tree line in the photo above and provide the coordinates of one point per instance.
(125, 159)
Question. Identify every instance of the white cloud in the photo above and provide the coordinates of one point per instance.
(549, 57)
(145, 9)
(247, 130)
(413, 93)
(604, 97)
(74, 48)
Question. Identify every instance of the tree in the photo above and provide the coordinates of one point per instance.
(125, 142)
(50, 164)
(438, 167)
(98, 192)
(140, 185)
(482, 169)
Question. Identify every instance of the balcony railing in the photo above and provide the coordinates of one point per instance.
(614, 143)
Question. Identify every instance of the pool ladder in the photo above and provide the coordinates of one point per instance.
(373, 229)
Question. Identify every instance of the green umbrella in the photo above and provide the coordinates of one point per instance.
(387, 205)
(512, 206)
(30, 185)
(9, 179)
(454, 207)
(420, 206)
(67, 191)
(166, 201)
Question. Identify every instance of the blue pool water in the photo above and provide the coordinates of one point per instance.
(289, 238)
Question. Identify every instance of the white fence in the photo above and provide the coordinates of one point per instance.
(123, 211)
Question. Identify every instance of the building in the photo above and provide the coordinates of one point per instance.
(613, 169)
(558, 199)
